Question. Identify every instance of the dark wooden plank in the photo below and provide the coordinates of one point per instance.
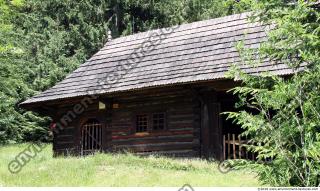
(154, 134)
(173, 153)
(157, 147)
(153, 140)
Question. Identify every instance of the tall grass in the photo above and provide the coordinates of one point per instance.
(116, 170)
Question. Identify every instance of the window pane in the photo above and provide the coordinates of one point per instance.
(142, 123)
(158, 121)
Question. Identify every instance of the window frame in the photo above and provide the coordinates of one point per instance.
(164, 121)
(136, 121)
(150, 124)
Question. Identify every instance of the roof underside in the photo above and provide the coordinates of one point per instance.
(187, 53)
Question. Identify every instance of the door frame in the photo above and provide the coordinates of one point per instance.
(101, 117)
(211, 127)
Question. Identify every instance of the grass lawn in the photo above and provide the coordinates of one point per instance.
(116, 170)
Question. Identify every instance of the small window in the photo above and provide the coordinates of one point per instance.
(142, 123)
(158, 121)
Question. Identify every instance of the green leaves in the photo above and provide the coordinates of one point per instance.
(284, 123)
(43, 41)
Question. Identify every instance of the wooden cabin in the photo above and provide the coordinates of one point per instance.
(156, 92)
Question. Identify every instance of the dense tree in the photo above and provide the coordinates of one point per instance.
(12, 85)
(284, 120)
(42, 41)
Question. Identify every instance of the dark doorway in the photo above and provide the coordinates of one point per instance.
(211, 127)
(91, 137)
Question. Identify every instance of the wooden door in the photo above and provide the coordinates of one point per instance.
(211, 129)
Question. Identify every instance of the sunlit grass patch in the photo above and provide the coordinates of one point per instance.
(116, 170)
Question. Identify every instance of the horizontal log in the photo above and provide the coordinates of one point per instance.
(69, 142)
(185, 121)
(183, 138)
(119, 116)
(157, 104)
(182, 108)
(64, 138)
(155, 93)
(121, 122)
(120, 128)
(186, 117)
(183, 129)
(64, 131)
(180, 126)
(159, 147)
(120, 133)
(63, 144)
(154, 134)
(174, 153)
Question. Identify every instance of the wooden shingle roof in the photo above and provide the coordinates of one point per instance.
(198, 51)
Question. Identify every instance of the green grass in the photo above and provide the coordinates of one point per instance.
(116, 170)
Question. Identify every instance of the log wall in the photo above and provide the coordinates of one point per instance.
(64, 140)
(182, 133)
(180, 138)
